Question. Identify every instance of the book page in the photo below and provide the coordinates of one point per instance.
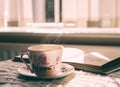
(95, 58)
(78, 56)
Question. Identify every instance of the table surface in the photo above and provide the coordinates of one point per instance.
(9, 77)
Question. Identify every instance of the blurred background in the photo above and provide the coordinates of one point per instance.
(95, 22)
(68, 13)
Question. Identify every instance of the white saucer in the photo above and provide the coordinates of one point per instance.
(65, 70)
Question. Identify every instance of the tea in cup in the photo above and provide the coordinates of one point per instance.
(45, 59)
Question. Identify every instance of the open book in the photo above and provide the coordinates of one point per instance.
(92, 62)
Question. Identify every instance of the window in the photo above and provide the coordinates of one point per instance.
(72, 13)
(87, 20)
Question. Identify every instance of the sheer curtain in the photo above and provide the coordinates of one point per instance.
(72, 13)
(91, 13)
(21, 12)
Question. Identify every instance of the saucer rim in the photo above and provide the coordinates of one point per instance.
(63, 74)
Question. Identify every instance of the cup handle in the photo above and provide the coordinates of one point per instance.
(25, 62)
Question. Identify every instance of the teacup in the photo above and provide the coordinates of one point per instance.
(45, 59)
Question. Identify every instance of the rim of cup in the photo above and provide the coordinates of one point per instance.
(43, 46)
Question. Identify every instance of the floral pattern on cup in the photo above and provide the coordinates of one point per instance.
(43, 60)
(44, 68)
